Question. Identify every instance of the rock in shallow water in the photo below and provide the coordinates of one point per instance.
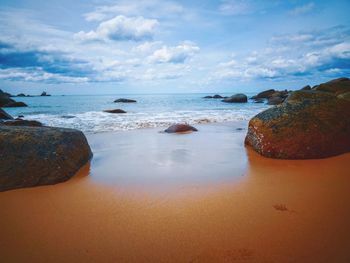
(237, 98)
(179, 128)
(15, 104)
(308, 125)
(115, 111)
(33, 156)
(125, 101)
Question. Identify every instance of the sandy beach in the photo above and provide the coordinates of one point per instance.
(200, 197)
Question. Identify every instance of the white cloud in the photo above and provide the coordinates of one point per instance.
(177, 54)
(121, 28)
(299, 10)
(235, 7)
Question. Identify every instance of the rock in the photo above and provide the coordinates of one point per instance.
(259, 100)
(282, 94)
(115, 111)
(5, 99)
(125, 100)
(20, 116)
(237, 98)
(67, 116)
(21, 95)
(275, 100)
(217, 96)
(179, 128)
(308, 125)
(308, 87)
(15, 104)
(208, 97)
(20, 122)
(264, 94)
(33, 156)
(4, 115)
(336, 86)
(44, 94)
(344, 96)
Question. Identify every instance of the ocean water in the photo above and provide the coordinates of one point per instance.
(85, 112)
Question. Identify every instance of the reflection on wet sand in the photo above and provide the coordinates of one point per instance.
(92, 219)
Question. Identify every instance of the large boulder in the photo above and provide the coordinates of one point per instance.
(4, 115)
(33, 156)
(275, 100)
(125, 101)
(344, 96)
(307, 125)
(335, 86)
(180, 128)
(237, 98)
(5, 99)
(264, 94)
(20, 122)
(15, 104)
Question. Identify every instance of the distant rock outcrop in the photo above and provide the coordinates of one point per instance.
(237, 98)
(44, 94)
(15, 104)
(124, 101)
(180, 128)
(32, 156)
(307, 125)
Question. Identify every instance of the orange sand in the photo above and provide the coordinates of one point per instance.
(281, 211)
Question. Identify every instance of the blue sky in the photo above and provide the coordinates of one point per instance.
(154, 46)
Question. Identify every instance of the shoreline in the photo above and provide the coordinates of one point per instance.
(259, 210)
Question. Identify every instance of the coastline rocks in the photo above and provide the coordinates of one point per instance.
(5, 99)
(20, 122)
(259, 100)
(21, 95)
(275, 100)
(4, 115)
(180, 128)
(308, 125)
(115, 111)
(307, 87)
(336, 86)
(237, 98)
(264, 94)
(15, 104)
(33, 156)
(216, 96)
(125, 100)
(44, 94)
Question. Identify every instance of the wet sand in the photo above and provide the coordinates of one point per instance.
(201, 197)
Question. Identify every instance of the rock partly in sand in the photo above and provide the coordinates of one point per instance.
(308, 125)
(237, 98)
(15, 104)
(115, 111)
(20, 122)
(4, 115)
(125, 100)
(33, 156)
(336, 86)
(180, 128)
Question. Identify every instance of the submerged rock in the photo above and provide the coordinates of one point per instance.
(308, 125)
(115, 111)
(20, 122)
(237, 98)
(15, 104)
(4, 115)
(125, 100)
(33, 156)
(179, 128)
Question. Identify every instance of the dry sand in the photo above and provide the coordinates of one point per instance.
(191, 198)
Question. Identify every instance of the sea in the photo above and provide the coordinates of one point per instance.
(85, 112)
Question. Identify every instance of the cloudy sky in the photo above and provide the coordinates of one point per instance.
(155, 46)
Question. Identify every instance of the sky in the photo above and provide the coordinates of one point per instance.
(155, 46)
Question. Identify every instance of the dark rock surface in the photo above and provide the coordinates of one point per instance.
(237, 98)
(308, 87)
(335, 86)
(4, 115)
(15, 104)
(344, 96)
(307, 125)
(44, 93)
(125, 100)
(5, 99)
(115, 111)
(33, 156)
(20, 122)
(180, 128)
(264, 94)
(275, 100)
